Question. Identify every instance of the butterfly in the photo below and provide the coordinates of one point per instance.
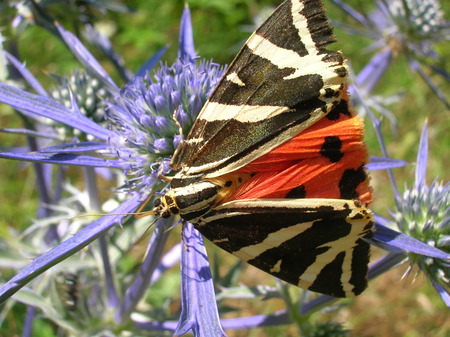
(272, 170)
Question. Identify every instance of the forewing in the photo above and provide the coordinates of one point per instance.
(281, 82)
(316, 244)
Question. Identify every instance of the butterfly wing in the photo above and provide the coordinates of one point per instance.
(281, 82)
(316, 244)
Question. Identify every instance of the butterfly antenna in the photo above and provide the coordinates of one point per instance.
(139, 214)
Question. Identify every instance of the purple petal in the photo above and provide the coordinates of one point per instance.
(278, 318)
(29, 320)
(383, 221)
(75, 147)
(395, 241)
(370, 75)
(63, 159)
(104, 44)
(316, 303)
(354, 13)
(87, 59)
(198, 303)
(26, 74)
(382, 163)
(377, 126)
(387, 262)
(155, 326)
(151, 62)
(186, 46)
(67, 248)
(422, 158)
(416, 66)
(442, 292)
(43, 106)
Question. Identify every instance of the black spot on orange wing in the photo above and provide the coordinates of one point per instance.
(298, 192)
(350, 181)
(331, 148)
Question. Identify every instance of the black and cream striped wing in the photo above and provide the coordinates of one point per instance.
(316, 244)
(281, 82)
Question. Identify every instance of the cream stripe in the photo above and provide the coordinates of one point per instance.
(311, 64)
(238, 207)
(273, 240)
(234, 77)
(300, 23)
(335, 248)
(214, 111)
(310, 204)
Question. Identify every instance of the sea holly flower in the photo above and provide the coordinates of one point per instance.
(422, 212)
(146, 112)
(400, 27)
(86, 91)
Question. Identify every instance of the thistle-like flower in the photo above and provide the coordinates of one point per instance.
(419, 20)
(146, 115)
(89, 96)
(421, 215)
(423, 212)
(409, 28)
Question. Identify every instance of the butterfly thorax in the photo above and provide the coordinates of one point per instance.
(191, 198)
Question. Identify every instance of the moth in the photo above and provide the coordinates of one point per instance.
(272, 170)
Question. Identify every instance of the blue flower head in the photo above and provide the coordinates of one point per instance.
(148, 111)
(87, 93)
(418, 19)
(423, 212)
(408, 28)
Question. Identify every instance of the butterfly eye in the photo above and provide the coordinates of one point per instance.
(166, 214)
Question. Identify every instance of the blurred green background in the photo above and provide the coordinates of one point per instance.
(220, 28)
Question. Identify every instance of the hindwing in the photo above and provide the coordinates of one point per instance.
(315, 244)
